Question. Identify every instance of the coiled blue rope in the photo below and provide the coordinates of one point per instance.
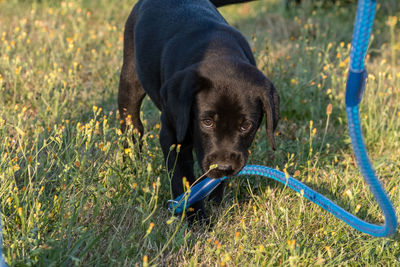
(354, 89)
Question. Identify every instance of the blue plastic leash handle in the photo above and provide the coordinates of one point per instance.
(354, 90)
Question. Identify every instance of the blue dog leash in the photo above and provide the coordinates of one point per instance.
(354, 90)
(2, 263)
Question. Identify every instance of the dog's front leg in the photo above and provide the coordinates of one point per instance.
(180, 165)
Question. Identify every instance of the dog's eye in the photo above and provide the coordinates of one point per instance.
(246, 125)
(208, 123)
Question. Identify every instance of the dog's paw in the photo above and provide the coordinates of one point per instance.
(197, 215)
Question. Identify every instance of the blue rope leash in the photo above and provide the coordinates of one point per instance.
(2, 263)
(354, 89)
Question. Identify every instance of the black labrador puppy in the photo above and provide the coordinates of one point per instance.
(201, 74)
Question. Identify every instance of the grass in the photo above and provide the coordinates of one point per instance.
(67, 198)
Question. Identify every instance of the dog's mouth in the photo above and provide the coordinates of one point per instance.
(223, 170)
(218, 165)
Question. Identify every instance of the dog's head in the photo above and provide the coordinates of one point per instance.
(221, 115)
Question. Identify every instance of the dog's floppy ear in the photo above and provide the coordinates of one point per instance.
(270, 100)
(177, 95)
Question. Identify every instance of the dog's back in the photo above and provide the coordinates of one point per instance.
(171, 35)
(219, 3)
